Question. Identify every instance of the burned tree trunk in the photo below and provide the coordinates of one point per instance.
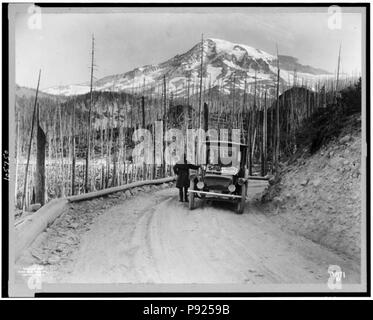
(40, 165)
(206, 116)
(62, 153)
(206, 128)
(143, 126)
(73, 160)
(277, 152)
(164, 126)
(86, 181)
(143, 111)
(264, 161)
(250, 130)
(30, 144)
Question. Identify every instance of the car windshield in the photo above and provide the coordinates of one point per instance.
(224, 155)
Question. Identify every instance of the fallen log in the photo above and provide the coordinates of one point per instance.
(104, 192)
(26, 232)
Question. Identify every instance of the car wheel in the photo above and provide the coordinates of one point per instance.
(191, 195)
(241, 202)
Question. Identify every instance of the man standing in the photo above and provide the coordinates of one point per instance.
(181, 169)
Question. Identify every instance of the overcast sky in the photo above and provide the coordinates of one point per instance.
(126, 40)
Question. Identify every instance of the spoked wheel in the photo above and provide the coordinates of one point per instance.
(241, 202)
(191, 195)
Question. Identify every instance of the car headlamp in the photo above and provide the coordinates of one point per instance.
(231, 188)
(241, 181)
(200, 185)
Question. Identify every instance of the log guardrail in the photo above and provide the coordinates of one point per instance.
(27, 231)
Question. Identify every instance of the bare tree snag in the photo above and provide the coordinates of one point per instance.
(89, 124)
(277, 158)
(40, 164)
(30, 144)
(73, 153)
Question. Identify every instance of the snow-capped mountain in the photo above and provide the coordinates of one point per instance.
(226, 65)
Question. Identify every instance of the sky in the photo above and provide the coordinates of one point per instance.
(128, 38)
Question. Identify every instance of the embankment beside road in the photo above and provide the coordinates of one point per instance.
(320, 196)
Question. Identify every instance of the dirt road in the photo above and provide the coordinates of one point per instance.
(153, 238)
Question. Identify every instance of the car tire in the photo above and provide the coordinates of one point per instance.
(191, 195)
(241, 202)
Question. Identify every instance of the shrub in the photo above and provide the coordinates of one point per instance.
(327, 123)
(350, 99)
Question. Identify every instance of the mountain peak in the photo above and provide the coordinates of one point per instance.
(238, 49)
(224, 63)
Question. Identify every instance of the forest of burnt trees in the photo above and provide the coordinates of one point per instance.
(78, 144)
(115, 116)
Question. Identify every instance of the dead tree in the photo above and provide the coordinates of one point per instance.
(18, 151)
(200, 86)
(62, 147)
(89, 122)
(206, 126)
(164, 126)
(277, 153)
(143, 111)
(337, 82)
(40, 163)
(73, 160)
(144, 127)
(264, 137)
(30, 144)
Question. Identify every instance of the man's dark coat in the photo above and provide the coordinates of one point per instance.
(182, 171)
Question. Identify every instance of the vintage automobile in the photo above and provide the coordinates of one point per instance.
(224, 177)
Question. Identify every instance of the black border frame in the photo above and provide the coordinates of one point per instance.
(5, 147)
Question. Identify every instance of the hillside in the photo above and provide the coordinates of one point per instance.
(320, 197)
(224, 63)
(318, 193)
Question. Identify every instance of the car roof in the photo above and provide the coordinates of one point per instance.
(225, 142)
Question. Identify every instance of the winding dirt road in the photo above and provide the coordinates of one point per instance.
(153, 238)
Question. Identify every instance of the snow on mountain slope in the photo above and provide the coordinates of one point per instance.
(239, 50)
(224, 63)
(74, 89)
